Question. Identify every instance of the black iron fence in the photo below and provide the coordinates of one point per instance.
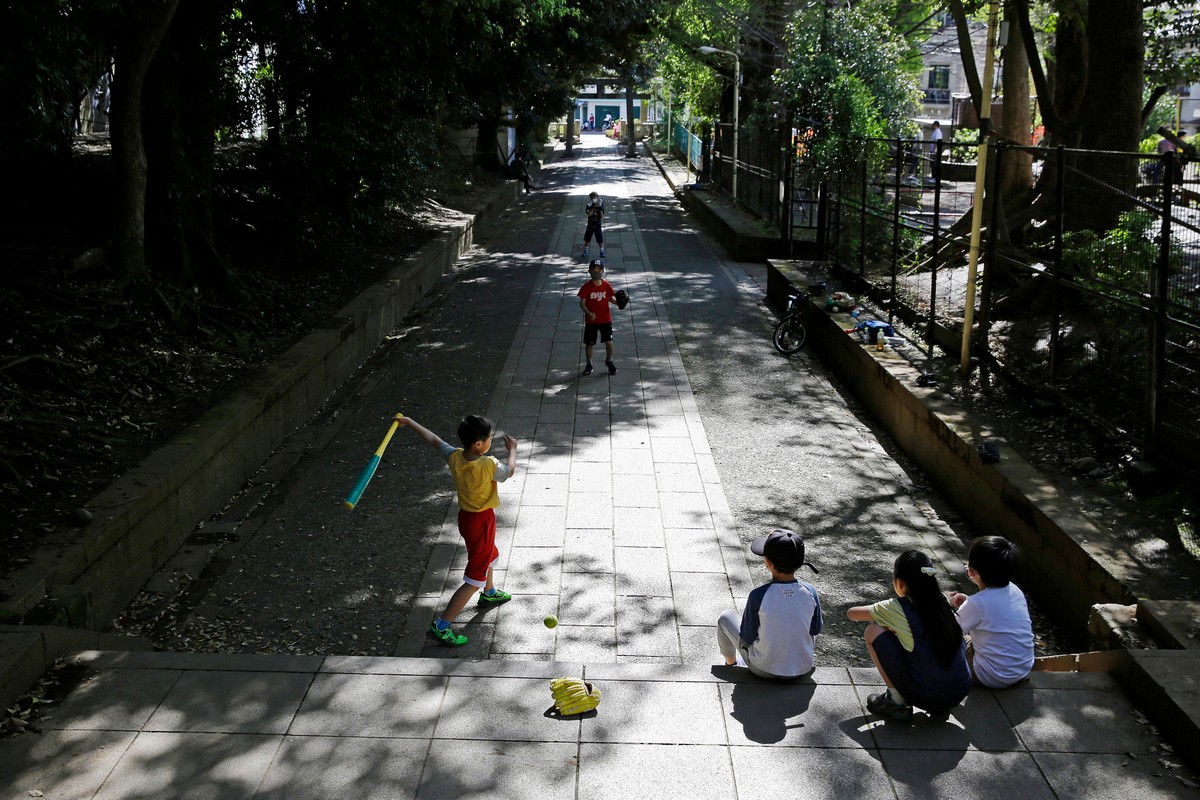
(1089, 269)
(761, 161)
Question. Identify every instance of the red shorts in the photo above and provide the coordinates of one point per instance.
(478, 530)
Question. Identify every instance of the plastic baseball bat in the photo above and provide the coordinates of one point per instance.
(352, 499)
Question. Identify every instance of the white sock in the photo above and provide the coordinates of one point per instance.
(897, 697)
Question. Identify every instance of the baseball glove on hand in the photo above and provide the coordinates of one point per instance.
(622, 298)
(573, 696)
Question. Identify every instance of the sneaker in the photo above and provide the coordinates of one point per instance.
(585, 253)
(602, 252)
(883, 705)
(612, 368)
(587, 370)
(493, 600)
(447, 637)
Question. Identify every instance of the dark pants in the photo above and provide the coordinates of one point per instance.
(932, 692)
(593, 229)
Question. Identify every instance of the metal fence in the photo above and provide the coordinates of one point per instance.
(770, 182)
(688, 148)
(761, 161)
(1090, 270)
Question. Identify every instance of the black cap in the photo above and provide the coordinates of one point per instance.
(597, 262)
(784, 548)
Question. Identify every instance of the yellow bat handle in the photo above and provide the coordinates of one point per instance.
(388, 438)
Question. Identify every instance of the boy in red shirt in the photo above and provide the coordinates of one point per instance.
(594, 298)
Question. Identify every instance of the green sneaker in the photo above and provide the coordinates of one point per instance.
(497, 599)
(447, 637)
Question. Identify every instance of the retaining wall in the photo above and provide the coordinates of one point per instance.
(1065, 564)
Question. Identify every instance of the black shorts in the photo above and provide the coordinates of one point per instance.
(591, 329)
(593, 229)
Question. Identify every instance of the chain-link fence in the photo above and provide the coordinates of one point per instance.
(902, 223)
(1089, 267)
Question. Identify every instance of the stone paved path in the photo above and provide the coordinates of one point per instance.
(616, 521)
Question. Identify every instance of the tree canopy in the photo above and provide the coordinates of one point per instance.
(354, 99)
(849, 75)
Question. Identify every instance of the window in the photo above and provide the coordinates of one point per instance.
(937, 91)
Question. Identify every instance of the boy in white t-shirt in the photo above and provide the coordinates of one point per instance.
(774, 637)
(995, 619)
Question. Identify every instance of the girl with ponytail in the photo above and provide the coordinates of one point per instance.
(916, 644)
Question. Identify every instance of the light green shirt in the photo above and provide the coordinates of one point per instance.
(890, 614)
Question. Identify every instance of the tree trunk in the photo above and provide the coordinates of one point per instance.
(1111, 110)
(180, 125)
(146, 24)
(1091, 97)
(569, 139)
(1071, 76)
(486, 151)
(271, 102)
(1017, 168)
(967, 51)
(1109, 116)
(629, 118)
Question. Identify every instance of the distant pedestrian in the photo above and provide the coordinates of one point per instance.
(1154, 170)
(475, 476)
(1180, 159)
(916, 644)
(595, 216)
(591, 122)
(607, 121)
(520, 167)
(996, 618)
(594, 299)
(776, 634)
(935, 154)
(912, 161)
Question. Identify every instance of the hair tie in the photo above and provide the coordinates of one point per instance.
(927, 571)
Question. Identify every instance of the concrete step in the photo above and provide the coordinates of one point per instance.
(145, 724)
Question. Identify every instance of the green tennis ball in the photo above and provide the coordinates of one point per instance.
(551, 621)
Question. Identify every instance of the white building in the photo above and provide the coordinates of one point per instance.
(943, 79)
(604, 97)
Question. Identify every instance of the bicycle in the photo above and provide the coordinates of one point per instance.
(790, 333)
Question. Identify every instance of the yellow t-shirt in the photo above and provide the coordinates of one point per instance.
(476, 480)
(890, 614)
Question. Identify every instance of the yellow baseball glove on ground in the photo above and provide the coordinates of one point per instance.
(573, 696)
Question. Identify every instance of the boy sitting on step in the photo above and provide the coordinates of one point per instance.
(776, 635)
(995, 619)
